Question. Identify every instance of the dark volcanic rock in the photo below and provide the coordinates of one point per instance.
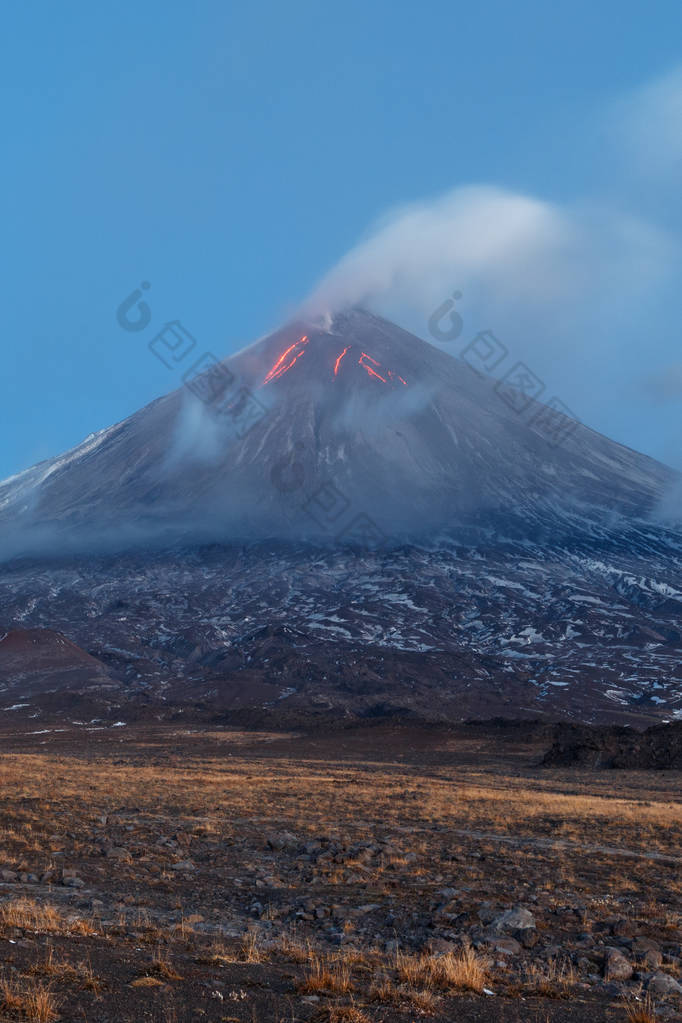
(40, 659)
(387, 536)
(659, 747)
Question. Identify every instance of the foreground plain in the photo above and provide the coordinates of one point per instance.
(387, 873)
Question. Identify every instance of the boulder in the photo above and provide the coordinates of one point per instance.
(284, 841)
(616, 966)
(517, 919)
(662, 984)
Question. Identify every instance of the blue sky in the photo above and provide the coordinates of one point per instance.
(231, 154)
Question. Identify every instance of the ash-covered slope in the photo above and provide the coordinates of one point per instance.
(342, 520)
(41, 658)
(353, 430)
(283, 631)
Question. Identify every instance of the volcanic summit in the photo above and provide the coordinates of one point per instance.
(343, 520)
(317, 427)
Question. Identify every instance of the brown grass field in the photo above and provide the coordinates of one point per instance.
(352, 875)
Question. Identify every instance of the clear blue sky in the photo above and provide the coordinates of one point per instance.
(230, 153)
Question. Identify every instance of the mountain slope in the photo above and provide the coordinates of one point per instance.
(442, 631)
(313, 429)
(342, 520)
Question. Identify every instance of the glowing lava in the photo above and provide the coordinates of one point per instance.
(294, 352)
(338, 361)
(372, 372)
(280, 368)
(393, 375)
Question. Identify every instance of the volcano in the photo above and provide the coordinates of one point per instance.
(343, 520)
(350, 431)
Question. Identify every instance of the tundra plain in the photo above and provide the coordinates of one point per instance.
(378, 874)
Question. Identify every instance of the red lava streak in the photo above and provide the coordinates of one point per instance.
(294, 352)
(372, 372)
(279, 368)
(338, 361)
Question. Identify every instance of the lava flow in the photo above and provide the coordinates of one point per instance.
(338, 361)
(373, 372)
(294, 352)
(279, 368)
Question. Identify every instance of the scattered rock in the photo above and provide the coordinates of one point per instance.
(652, 959)
(283, 842)
(517, 919)
(662, 984)
(486, 913)
(640, 945)
(623, 928)
(505, 945)
(528, 936)
(117, 852)
(185, 865)
(616, 966)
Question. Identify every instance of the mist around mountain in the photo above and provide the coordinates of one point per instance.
(344, 521)
(346, 429)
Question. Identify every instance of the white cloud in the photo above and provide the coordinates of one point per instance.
(517, 259)
(583, 290)
(198, 436)
(648, 125)
(470, 237)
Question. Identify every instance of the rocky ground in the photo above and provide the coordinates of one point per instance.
(576, 629)
(658, 747)
(386, 873)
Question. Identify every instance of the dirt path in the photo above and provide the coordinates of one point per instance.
(562, 845)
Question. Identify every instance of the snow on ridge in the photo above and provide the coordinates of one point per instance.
(33, 477)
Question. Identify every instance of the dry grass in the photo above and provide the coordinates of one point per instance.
(41, 918)
(146, 981)
(321, 977)
(30, 915)
(89, 980)
(183, 929)
(384, 991)
(33, 1000)
(81, 974)
(51, 966)
(162, 967)
(461, 971)
(555, 980)
(366, 960)
(466, 971)
(251, 949)
(293, 949)
(347, 1014)
(641, 1012)
(421, 980)
(558, 804)
(408, 812)
(217, 954)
